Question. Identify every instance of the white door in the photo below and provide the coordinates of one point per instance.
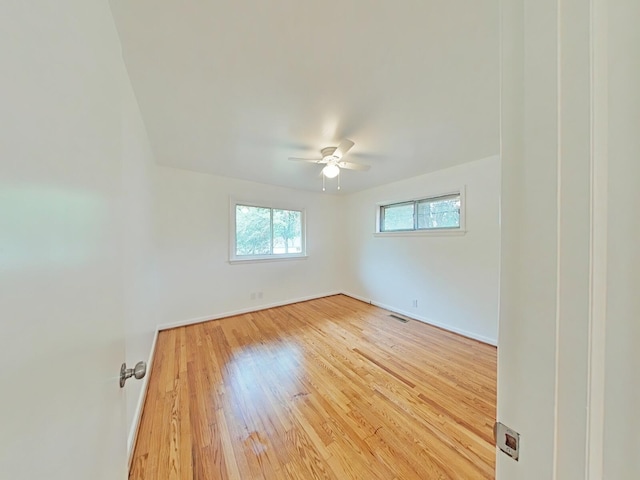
(61, 307)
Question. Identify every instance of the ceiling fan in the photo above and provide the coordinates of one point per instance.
(332, 159)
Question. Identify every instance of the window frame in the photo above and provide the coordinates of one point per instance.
(441, 231)
(271, 257)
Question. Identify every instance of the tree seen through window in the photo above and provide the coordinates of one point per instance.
(425, 214)
(267, 231)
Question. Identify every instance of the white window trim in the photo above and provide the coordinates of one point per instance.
(434, 232)
(233, 258)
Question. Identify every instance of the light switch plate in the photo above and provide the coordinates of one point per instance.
(508, 440)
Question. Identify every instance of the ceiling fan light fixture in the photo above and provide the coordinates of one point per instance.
(332, 159)
(331, 171)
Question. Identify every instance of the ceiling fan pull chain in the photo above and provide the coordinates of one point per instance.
(323, 189)
(338, 180)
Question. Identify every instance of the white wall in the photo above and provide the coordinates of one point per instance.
(454, 278)
(195, 278)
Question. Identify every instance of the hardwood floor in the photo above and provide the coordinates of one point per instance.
(331, 388)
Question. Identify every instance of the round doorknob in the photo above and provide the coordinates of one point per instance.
(139, 371)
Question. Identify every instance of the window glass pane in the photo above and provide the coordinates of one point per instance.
(443, 212)
(253, 230)
(287, 232)
(397, 217)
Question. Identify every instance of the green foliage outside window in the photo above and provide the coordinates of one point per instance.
(426, 214)
(443, 213)
(267, 231)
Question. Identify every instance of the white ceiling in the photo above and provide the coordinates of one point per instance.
(234, 88)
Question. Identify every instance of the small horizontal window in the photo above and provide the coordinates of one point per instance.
(432, 213)
(265, 232)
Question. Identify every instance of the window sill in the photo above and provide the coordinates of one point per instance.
(268, 259)
(423, 233)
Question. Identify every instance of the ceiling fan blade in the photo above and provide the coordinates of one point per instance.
(354, 166)
(307, 160)
(343, 148)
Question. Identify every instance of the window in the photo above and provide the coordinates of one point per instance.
(264, 233)
(442, 212)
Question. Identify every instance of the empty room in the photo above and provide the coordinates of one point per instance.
(334, 240)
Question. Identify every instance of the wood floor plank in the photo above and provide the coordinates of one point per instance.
(332, 388)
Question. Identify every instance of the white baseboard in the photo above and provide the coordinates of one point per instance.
(137, 417)
(358, 297)
(459, 331)
(257, 308)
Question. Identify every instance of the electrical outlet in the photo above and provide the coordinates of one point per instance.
(414, 304)
(508, 440)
